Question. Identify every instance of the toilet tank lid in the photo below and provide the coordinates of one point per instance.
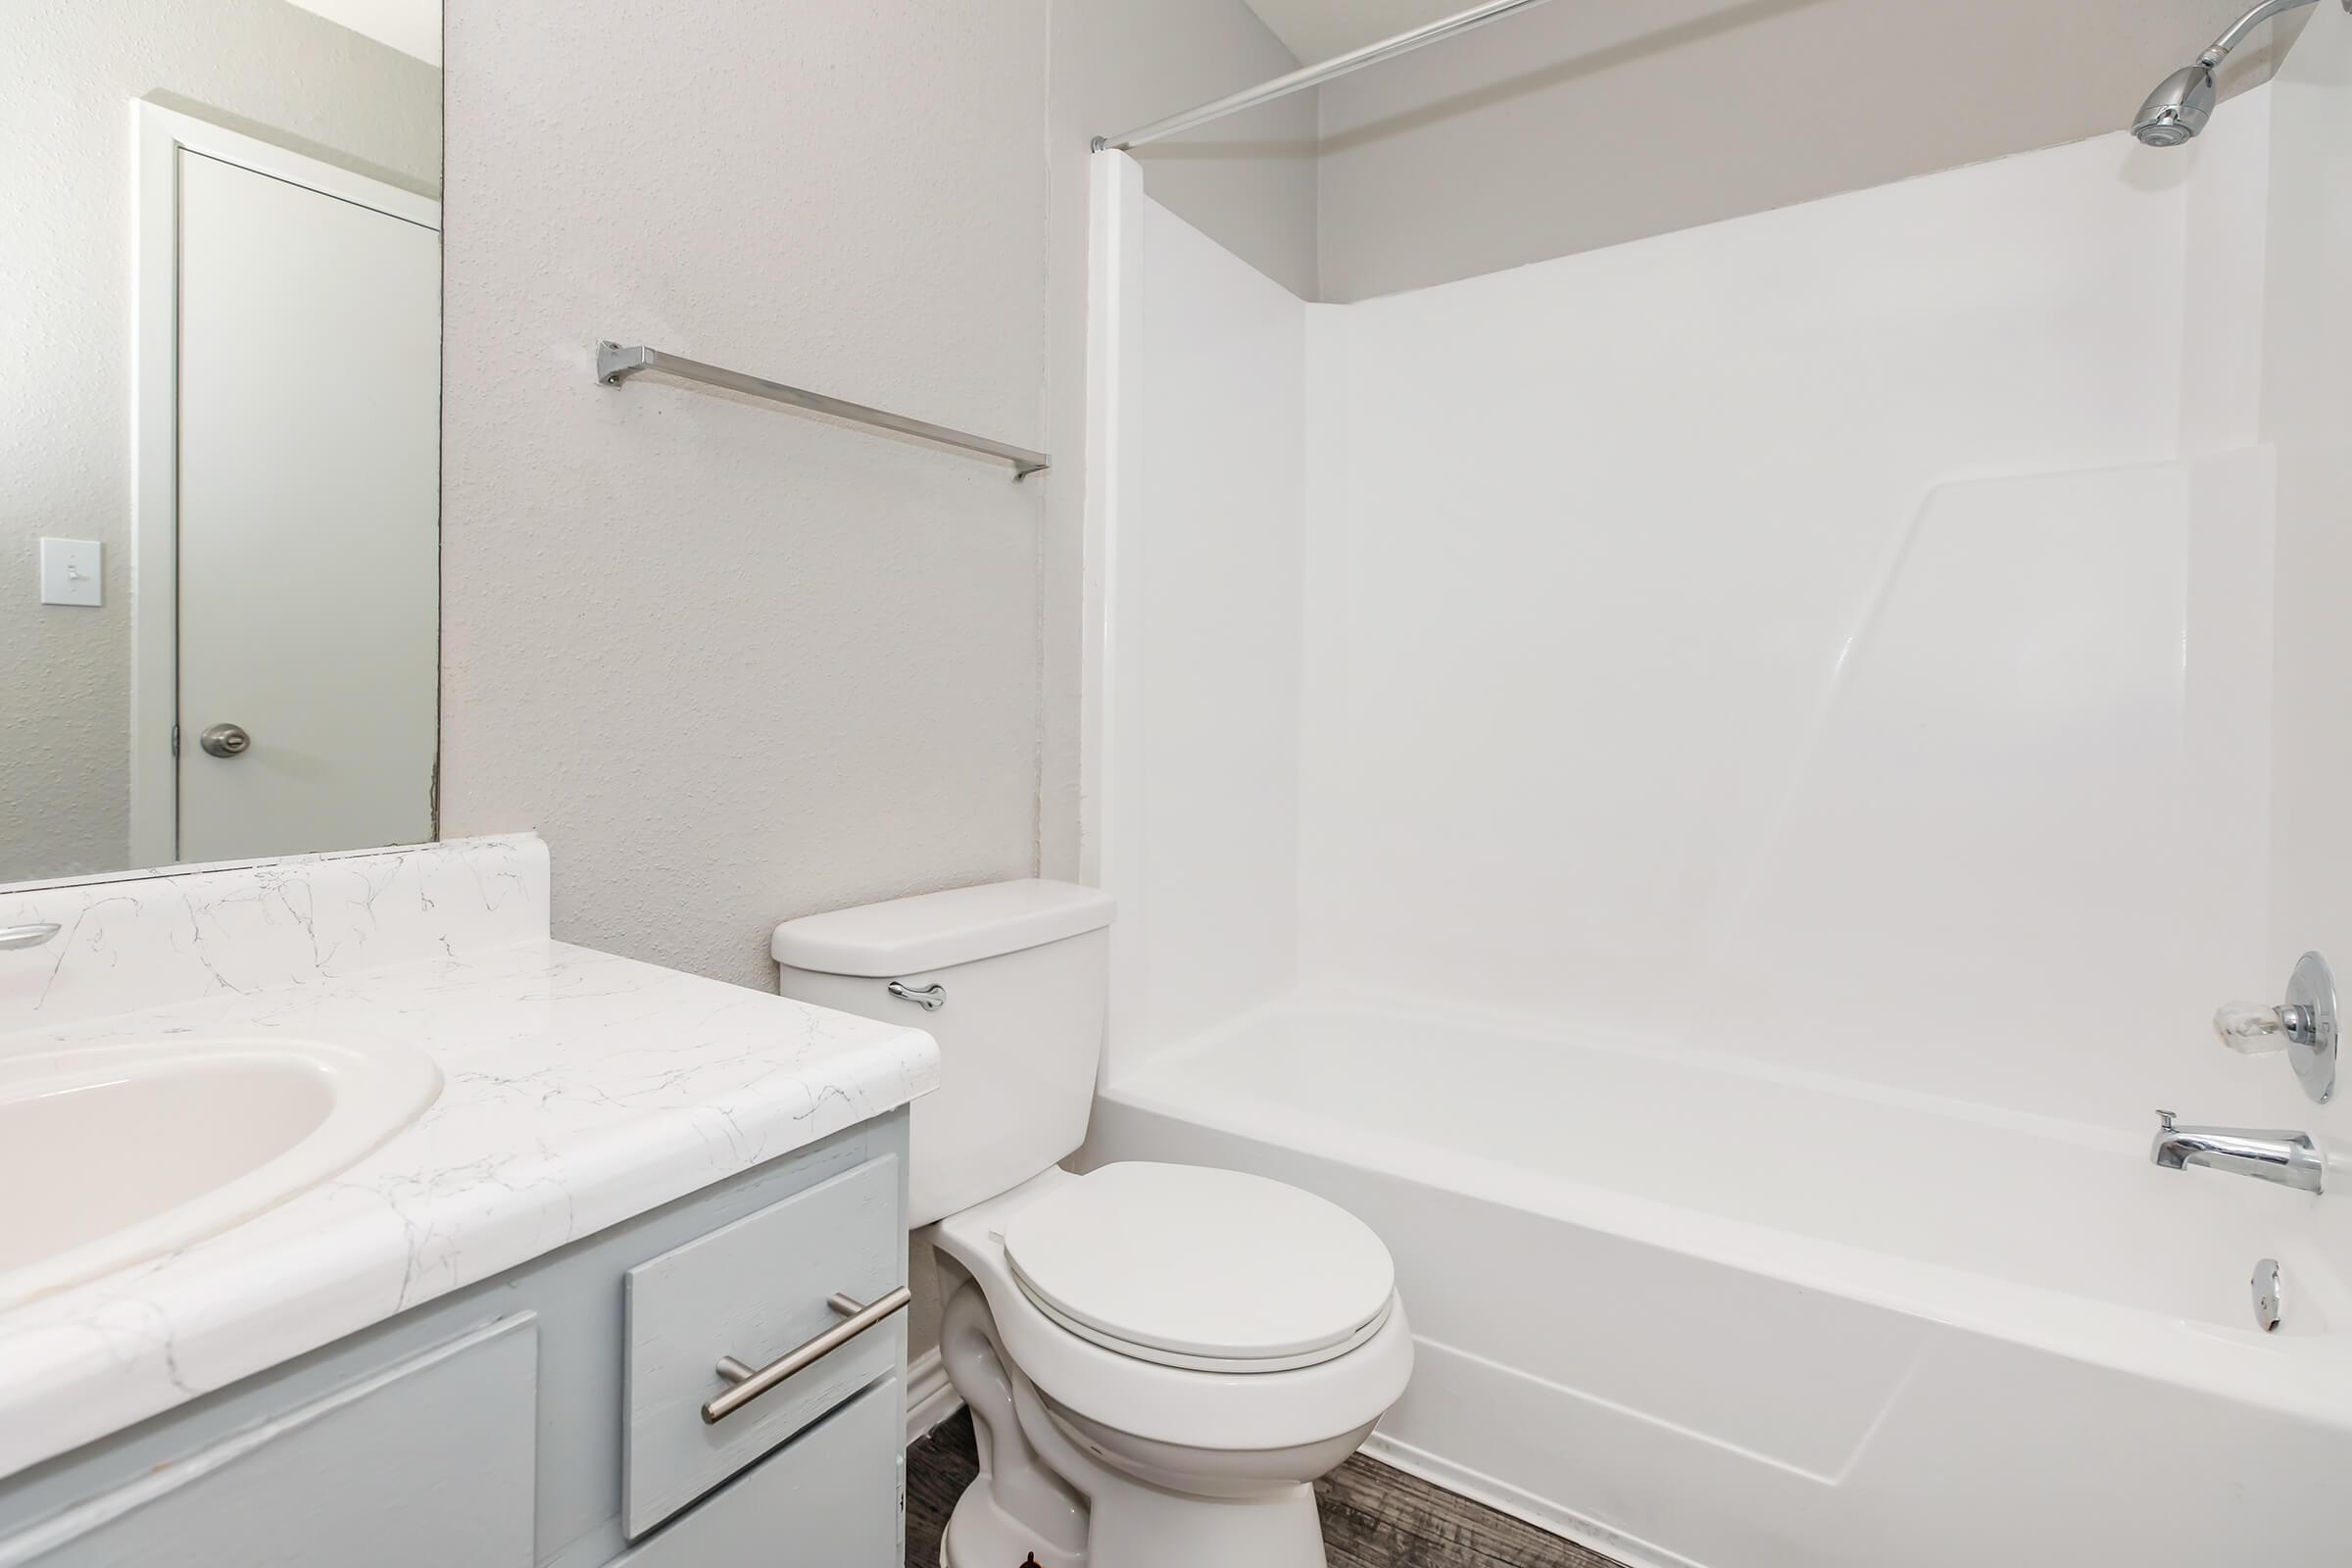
(937, 930)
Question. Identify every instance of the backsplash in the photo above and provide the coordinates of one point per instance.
(143, 941)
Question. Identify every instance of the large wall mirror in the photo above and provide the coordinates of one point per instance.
(219, 579)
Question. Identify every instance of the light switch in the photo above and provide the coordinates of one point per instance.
(69, 573)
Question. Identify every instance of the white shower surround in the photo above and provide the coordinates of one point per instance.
(1708, 788)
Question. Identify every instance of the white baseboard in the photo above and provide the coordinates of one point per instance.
(1506, 1498)
(930, 1397)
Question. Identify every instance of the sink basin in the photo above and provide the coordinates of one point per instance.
(111, 1154)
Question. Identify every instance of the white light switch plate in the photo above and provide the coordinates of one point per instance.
(70, 573)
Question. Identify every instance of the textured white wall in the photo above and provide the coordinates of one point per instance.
(258, 66)
(737, 665)
(1579, 126)
(412, 27)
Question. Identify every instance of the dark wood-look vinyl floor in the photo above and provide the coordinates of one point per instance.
(1373, 1516)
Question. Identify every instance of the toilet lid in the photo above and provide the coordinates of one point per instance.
(1197, 1268)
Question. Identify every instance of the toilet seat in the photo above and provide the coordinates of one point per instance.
(1203, 1269)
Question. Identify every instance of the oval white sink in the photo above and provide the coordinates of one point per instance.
(114, 1154)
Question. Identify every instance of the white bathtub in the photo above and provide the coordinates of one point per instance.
(1689, 1313)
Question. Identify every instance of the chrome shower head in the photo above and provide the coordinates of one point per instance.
(2177, 109)
(2183, 101)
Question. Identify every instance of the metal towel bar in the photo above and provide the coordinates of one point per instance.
(617, 363)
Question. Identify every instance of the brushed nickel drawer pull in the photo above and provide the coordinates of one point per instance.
(751, 1383)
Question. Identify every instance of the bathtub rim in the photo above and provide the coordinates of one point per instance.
(2307, 1376)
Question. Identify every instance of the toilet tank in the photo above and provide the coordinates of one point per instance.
(1021, 972)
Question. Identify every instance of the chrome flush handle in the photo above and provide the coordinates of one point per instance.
(26, 936)
(930, 998)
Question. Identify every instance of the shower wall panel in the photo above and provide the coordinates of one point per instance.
(1595, 570)
(1206, 624)
(1838, 637)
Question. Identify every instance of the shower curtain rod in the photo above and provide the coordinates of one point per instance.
(1371, 54)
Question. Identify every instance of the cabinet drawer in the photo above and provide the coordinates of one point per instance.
(752, 1290)
(431, 1460)
(829, 1498)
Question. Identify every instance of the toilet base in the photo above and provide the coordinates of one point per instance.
(1144, 1529)
(1055, 1487)
(982, 1535)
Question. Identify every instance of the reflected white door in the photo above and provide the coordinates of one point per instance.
(308, 538)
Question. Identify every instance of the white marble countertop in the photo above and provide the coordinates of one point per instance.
(580, 1088)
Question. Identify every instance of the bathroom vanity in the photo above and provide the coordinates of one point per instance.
(497, 1339)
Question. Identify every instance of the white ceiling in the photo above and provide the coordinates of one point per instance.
(412, 27)
(1317, 29)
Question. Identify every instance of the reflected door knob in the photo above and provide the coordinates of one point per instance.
(224, 740)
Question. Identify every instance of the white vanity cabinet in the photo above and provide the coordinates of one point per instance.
(550, 1417)
(750, 1290)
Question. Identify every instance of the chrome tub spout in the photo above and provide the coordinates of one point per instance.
(2289, 1158)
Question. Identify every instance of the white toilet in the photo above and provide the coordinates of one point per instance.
(1158, 1359)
